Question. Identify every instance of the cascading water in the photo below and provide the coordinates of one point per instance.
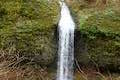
(66, 45)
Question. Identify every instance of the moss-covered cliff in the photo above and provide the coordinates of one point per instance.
(27, 27)
(28, 31)
(97, 32)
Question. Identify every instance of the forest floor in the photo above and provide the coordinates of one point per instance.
(35, 72)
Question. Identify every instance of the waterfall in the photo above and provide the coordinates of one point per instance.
(66, 45)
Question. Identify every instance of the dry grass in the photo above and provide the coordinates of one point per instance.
(14, 67)
(89, 73)
(26, 73)
(94, 75)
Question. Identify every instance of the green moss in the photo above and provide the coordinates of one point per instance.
(28, 26)
(103, 33)
(102, 23)
(104, 52)
(99, 32)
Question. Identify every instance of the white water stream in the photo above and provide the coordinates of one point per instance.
(66, 45)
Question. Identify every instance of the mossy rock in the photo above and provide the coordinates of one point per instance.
(97, 35)
(27, 27)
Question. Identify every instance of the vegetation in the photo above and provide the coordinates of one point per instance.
(27, 28)
(98, 28)
(28, 39)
